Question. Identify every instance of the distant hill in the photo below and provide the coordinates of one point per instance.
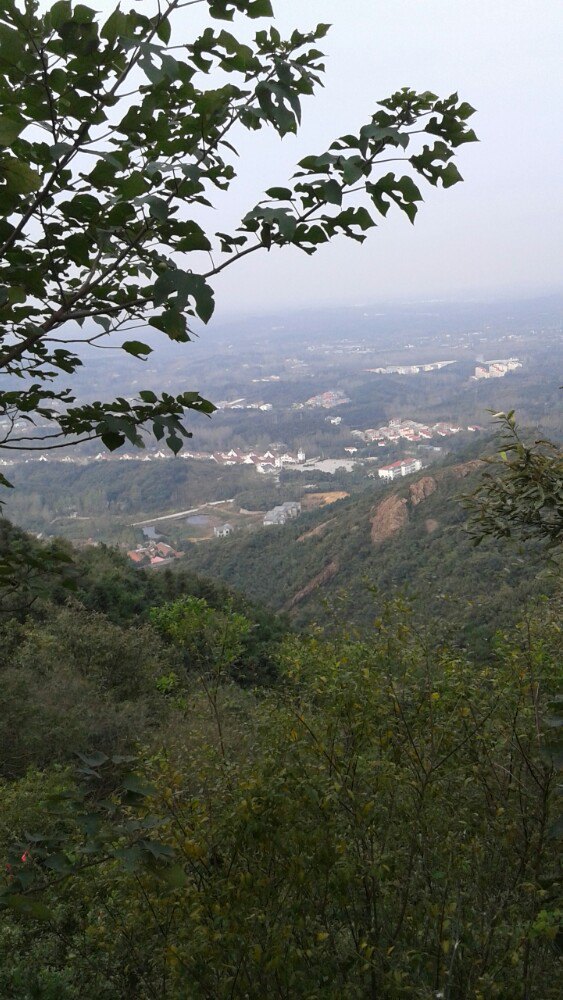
(341, 562)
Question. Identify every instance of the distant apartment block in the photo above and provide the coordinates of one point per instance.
(398, 469)
(496, 369)
(410, 369)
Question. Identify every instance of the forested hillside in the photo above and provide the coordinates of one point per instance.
(338, 563)
(197, 802)
(200, 801)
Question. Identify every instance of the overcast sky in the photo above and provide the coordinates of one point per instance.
(498, 233)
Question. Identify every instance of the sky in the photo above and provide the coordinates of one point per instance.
(498, 234)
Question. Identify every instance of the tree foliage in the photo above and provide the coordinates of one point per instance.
(523, 496)
(381, 825)
(115, 136)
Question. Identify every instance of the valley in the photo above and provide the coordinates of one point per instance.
(333, 465)
(312, 400)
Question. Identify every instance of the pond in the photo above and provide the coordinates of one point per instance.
(199, 520)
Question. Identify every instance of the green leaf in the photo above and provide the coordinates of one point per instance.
(174, 876)
(117, 24)
(158, 208)
(12, 295)
(137, 786)
(129, 856)
(172, 323)
(352, 169)
(193, 401)
(90, 823)
(465, 111)
(163, 30)
(279, 193)
(157, 849)
(59, 149)
(260, 8)
(60, 13)
(134, 185)
(174, 443)
(379, 132)
(112, 440)
(83, 14)
(10, 128)
(186, 285)
(450, 175)
(18, 177)
(190, 237)
(78, 248)
(136, 348)
(58, 863)
(332, 192)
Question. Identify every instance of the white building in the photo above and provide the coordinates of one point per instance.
(398, 469)
(223, 531)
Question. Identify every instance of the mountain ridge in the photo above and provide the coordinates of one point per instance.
(409, 538)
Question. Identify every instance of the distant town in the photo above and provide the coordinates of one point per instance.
(318, 402)
(274, 458)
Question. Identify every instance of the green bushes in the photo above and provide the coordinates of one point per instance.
(379, 825)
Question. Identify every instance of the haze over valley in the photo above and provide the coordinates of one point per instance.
(308, 402)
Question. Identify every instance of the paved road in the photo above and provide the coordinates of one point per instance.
(180, 513)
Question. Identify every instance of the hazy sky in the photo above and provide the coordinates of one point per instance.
(499, 232)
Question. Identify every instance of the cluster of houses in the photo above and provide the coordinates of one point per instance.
(333, 397)
(269, 461)
(398, 469)
(283, 513)
(153, 554)
(496, 369)
(408, 430)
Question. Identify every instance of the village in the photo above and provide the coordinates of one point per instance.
(410, 430)
(276, 456)
(326, 400)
